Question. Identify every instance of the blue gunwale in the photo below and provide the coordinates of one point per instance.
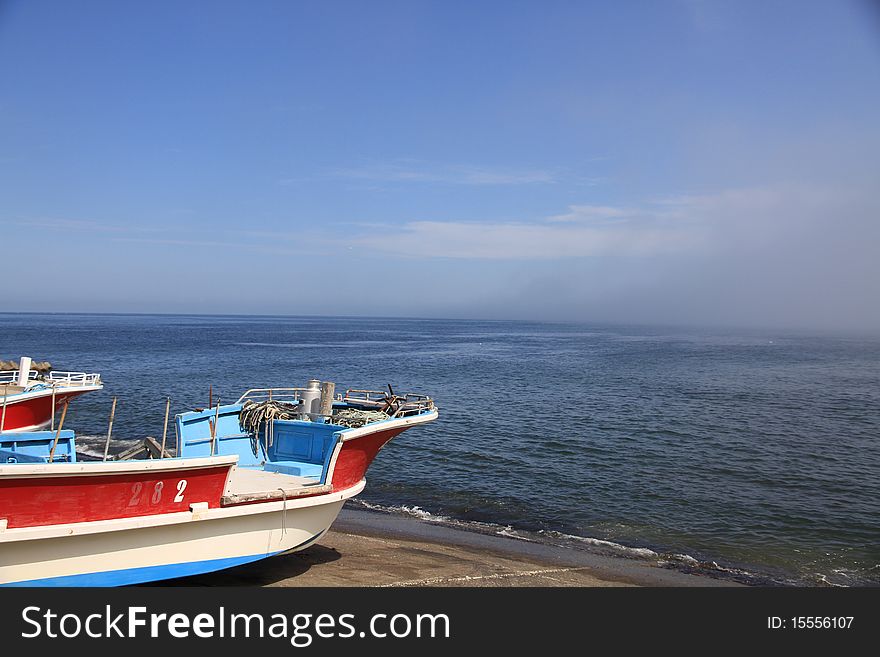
(299, 447)
(34, 447)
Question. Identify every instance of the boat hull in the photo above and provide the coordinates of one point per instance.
(63, 493)
(215, 506)
(31, 411)
(131, 551)
(356, 455)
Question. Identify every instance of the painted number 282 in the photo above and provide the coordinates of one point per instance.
(138, 488)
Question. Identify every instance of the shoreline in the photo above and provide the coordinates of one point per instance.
(366, 548)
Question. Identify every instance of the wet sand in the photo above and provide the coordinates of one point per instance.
(365, 548)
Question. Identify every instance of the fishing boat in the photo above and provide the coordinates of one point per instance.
(30, 398)
(260, 477)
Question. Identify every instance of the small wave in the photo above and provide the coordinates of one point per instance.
(92, 447)
(490, 528)
(510, 532)
(846, 577)
(414, 511)
(644, 553)
(821, 578)
(689, 564)
(421, 514)
(677, 561)
(731, 571)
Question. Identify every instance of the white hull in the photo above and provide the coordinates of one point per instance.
(132, 550)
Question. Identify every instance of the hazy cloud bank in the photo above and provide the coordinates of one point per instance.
(787, 255)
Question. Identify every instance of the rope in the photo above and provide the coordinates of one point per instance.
(283, 512)
(354, 418)
(259, 416)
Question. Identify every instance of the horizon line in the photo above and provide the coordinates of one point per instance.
(840, 332)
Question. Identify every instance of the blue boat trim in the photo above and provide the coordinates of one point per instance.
(299, 448)
(154, 573)
(35, 446)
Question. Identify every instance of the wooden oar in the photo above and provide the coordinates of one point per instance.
(165, 430)
(214, 427)
(58, 432)
(110, 429)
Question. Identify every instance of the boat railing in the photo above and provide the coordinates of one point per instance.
(74, 379)
(292, 395)
(65, 379)
(355, 396)
(409, 404)
(10, 377)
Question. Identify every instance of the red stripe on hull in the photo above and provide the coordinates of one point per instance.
(33, 412)
(355, 457)
(38, 501)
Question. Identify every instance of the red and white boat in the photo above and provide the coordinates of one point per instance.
(250, 480)
(29, 399)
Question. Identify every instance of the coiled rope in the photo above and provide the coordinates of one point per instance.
(354, 418)
(257, 417)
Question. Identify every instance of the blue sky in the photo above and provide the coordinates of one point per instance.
(656, 162)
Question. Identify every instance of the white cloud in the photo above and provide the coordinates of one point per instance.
(583, 231)
(782, 253)
(592, 212)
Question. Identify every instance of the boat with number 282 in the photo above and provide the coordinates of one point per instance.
(260, 477)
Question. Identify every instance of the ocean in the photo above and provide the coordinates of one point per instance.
(748, 455)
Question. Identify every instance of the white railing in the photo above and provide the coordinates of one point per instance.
(408, 404)
(368, 397)
(10, 377)
(291, 395)
(402, 405)
(74, 379)
(67, 379)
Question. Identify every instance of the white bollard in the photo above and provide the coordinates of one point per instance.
(24, 369)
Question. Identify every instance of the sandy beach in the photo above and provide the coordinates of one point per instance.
(366, 548)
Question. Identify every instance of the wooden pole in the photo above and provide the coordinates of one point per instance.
(110, 428)
(214, 427)
(210, 395)
(3, 417)
(58, 432)
(165, 430)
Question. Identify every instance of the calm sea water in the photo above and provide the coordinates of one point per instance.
(748, 455)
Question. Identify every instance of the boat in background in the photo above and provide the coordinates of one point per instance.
(263, 476)
(29, 399)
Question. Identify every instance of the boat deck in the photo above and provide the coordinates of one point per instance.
(253, 485)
